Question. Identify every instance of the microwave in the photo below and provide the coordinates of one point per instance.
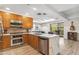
(16, 24)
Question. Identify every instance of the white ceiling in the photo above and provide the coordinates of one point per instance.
(52, 11)
(64, 7)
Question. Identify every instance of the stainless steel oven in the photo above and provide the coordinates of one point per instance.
(16, 31)
(16, 39)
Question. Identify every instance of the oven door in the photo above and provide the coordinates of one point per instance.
(16, 41)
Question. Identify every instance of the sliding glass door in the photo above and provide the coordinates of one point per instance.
(57, 28)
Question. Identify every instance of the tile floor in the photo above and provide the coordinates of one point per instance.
(67, 47)
(21, 50)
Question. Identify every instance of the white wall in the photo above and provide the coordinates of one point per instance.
(67, 27)
(45, 27)
(42, 27)
(35, 25)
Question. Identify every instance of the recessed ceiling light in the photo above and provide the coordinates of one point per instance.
(52, 19)
(27, 14)
(34, 9)
(7, 8)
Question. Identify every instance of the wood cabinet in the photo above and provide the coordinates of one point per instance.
(26, 38)
(6, 20)
(27, 22)
(16, 17)
(32, 40)
(1, 46)
(0, 14)
(7, 17)
(72, 36)
(6, 41)
(36, 42)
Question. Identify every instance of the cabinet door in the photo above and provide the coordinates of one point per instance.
(6, 41)
(35, 42)
(0, 14)
(31, 40)
(1, 45)
(6, 20)
(26, 38)
(27, 22)
(16, 17)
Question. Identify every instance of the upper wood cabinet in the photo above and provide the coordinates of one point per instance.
(0, 14)
(6, 20)
(27, 22)
(16, 17)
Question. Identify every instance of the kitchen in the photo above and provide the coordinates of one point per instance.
(26, 29)
(15, 32)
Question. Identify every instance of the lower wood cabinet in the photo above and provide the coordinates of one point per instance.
(1, 46)
(26, 38)
(32, 40)
(6, 41)
(35, 41)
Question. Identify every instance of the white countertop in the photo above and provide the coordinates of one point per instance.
(49, 35)
(46, 35)
(42, 35)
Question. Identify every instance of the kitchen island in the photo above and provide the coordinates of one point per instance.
(53, 42)
(48, 43)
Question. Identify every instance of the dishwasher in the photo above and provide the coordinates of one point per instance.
(44, 45)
